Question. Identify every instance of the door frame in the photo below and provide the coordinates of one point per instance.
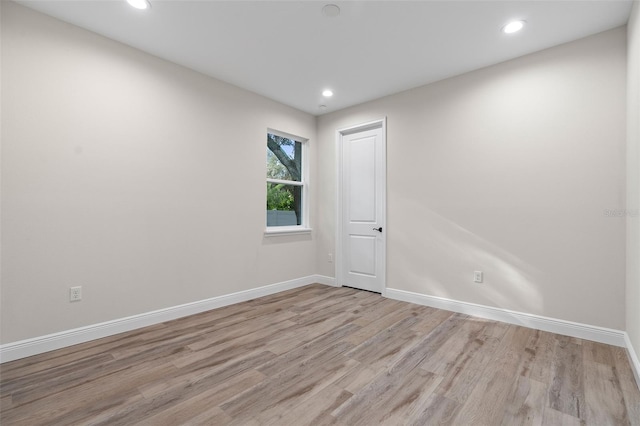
(340, 133)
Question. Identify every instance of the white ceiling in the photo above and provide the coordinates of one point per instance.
(288, 51)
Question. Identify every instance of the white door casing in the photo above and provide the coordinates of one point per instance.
(361, 230)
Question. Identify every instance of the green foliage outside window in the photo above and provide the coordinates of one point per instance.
(279, 197)
(284, 162)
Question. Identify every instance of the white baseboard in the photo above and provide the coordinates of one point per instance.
(633, 359)
(566, 328)
(50, 342)
(38, 345)
(322, 279)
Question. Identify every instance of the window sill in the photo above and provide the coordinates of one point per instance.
(286, 230)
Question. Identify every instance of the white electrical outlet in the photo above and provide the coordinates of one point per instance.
(330, 258)
(75, 294)
(477, 276)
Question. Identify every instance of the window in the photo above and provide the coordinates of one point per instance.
(286, 184)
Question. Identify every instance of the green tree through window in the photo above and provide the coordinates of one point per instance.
(284, 179)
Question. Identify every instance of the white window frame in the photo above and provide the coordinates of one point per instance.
(304, 227)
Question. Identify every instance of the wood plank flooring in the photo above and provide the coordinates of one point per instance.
(319, 355)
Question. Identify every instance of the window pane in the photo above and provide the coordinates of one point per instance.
(284, 204)
(284, 158)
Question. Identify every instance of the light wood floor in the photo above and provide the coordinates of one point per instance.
(321, 355)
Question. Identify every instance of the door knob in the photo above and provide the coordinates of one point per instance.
(378, 229)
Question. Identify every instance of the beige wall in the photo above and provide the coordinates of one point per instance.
(508, 170)
(633, 178)
(138, 179)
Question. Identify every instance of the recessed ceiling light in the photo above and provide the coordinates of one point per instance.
(513, 27)
(140, 4)
(322, 107)
(331, 10)
(327, 93)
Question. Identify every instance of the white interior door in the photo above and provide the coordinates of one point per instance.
(362, 207)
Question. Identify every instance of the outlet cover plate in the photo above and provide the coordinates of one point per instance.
(75, 294)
